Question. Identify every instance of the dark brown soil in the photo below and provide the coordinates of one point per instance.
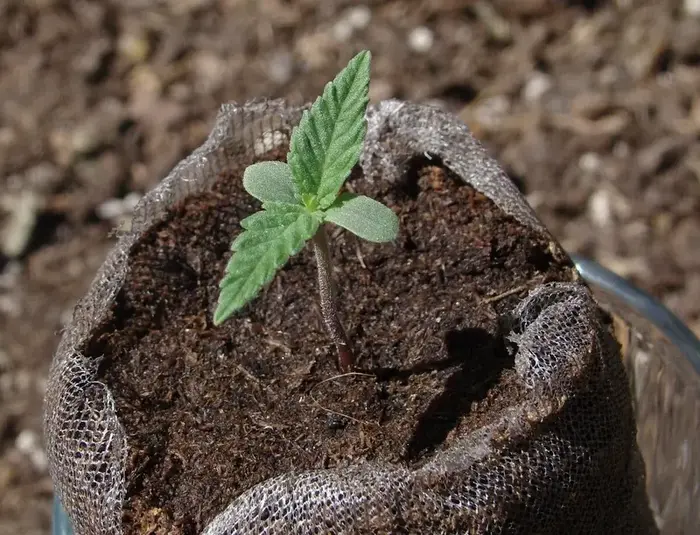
(210, 412)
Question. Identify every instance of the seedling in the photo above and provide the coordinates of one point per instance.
(299, 197)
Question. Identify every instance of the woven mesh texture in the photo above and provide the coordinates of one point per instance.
(563, 460)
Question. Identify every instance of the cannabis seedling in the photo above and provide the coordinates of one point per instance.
(300, 196)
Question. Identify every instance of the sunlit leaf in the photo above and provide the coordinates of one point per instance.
(365, 217)
(269, 239)
(270, 182)
(326, 144)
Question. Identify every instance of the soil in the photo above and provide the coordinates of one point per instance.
(261, 395)
(592, 106)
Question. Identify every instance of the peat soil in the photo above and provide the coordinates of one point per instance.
(260, 395)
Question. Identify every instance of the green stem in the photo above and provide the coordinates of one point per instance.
(329, 308)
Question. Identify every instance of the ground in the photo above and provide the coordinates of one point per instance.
(592, 106)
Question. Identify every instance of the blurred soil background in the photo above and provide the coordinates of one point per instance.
(592, 106)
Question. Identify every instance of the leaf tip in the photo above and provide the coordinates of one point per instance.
(364, 56)
(220, 315)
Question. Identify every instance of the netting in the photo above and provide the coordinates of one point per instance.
(563, 460)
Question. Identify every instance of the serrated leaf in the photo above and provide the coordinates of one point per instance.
(270, 182)
(365, 217)
(269, 239)
(326, 144)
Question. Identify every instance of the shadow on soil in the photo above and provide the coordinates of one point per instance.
(480, 358)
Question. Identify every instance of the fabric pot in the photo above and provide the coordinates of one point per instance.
(564, 455)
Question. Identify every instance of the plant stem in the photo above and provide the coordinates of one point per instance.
(329, 308)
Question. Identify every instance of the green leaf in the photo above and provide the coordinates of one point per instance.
(269, 239)
(326, 144)
(369, 219)
(270, 182)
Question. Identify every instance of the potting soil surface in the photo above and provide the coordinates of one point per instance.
(212, 411)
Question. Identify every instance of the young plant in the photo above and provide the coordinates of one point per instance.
(299, 197)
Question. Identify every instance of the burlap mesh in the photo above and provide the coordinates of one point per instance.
(564, 460)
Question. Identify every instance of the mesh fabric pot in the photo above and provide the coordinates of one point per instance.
(562, 458)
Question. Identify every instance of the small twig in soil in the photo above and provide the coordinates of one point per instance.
(270, 339)
(443, 273)
(336, 377)
(248, 375)
(528, 285)
(503, 295)
(278, 343)
(342, 415)
(360, 258)
(280, 428)
(269, 426)
(331, 411)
